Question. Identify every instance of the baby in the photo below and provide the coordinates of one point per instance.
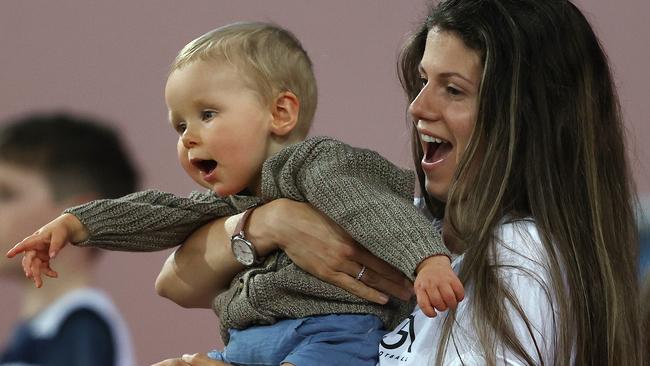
(242, 99)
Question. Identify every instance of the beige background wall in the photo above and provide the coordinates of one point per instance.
(110, 58)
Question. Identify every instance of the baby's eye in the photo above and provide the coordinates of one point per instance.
(208, 115)
(423, 82)
(180, 127)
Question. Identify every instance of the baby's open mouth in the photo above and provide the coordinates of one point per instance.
(205, 166)
(435, 149)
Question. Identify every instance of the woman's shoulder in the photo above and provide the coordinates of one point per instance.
(519, 244)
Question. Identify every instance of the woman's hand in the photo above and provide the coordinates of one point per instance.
(197, 359)
(319, 246)
(204, 265)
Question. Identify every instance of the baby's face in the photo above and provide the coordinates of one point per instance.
(223, 126)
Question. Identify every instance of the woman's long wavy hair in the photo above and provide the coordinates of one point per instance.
(548, 144)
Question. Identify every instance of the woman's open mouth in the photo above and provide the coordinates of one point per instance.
(435, 149)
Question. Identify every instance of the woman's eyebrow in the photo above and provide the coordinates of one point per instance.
(421, 70)
(446, 75)
(451, 73)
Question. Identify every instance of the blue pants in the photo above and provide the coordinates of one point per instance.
(320, 340)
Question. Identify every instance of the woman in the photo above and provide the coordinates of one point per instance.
(518, 144)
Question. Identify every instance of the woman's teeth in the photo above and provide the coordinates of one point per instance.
(435, 149)
(427, 138)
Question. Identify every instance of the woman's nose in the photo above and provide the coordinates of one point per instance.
(424, 106)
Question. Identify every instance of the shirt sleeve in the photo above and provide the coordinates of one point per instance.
(152, 220)
(364, 193)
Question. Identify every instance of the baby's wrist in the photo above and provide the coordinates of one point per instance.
(77, 230)
(438, 260)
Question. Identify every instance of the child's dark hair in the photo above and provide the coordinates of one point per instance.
(76, 154)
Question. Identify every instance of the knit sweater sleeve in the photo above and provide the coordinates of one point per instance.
(368, 196)
(151, 220)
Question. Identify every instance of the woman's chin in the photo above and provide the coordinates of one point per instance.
(437, 190)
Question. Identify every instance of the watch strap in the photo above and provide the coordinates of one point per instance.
(239, 229)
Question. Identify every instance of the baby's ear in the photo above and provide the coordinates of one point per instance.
(286, 108)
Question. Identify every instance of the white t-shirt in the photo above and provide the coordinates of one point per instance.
(415, 340)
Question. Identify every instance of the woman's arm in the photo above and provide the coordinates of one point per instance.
(204, 265)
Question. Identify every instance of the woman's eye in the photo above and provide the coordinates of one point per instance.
(208, 115)
(453, 91)
(423, 82)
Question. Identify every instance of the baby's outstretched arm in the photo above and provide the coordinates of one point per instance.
(42, 246)
(436, 285)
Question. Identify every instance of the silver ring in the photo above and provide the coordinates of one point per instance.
(361, 273)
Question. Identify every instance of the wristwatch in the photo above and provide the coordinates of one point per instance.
(242, 248)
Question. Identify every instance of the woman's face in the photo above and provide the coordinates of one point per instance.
(445, 110)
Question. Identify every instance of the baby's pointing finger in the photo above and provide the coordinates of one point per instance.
(26, 244)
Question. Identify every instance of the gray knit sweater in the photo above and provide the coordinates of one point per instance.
(358, 189)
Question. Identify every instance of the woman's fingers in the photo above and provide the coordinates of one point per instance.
(384, 277)
(377, 281)
(319, 246)
(358, 288)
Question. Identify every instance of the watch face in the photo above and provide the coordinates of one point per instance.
(243, 251)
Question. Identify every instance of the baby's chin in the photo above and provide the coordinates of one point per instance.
(224, 191)
(220, 189)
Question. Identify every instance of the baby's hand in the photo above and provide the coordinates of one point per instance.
(42, 246)
(436, 286)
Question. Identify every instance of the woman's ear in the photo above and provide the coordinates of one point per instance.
(285, 113)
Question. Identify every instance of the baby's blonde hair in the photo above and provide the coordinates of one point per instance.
(270, 57)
